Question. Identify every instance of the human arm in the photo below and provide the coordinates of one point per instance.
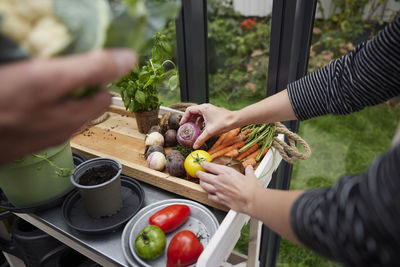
(35, 110)
(218, 120)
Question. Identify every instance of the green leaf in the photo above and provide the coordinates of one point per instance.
(173, 82)
(126, 102)
(87, 22)
(140, 97)
(150, 81)
(132, 106)
(157, 54)
(144, 77)
(166, 47)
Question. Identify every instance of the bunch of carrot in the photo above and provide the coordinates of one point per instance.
(248, 144)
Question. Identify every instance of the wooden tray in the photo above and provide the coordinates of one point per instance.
(118, 138)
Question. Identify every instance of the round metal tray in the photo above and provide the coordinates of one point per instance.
(201, 221)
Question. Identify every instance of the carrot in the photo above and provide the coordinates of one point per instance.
(225, 150)
(246, 132)
(233, 153)
(231, 134)
(263, 153)
(228, 142)
(255, 154)
(219, 141)
(248, 162)
(247, 152)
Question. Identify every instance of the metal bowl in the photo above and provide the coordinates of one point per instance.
(201, 221)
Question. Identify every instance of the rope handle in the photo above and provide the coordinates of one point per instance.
(289, 152)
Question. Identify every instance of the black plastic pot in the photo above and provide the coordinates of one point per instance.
(66, 257)
(103, 199)
(29, 243)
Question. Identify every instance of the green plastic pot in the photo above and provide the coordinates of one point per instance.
(32, 180)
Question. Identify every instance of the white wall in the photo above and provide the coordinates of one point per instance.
(263, 8)
(258, 8)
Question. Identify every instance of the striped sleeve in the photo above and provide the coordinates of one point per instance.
(367, 76)
(356, 221)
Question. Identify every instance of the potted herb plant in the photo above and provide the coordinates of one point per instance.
(139, 88)
(99, 183)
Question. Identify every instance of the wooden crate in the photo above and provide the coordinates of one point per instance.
(118, 138)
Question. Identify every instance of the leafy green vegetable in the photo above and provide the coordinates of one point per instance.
(87, 22)
(96, 24)
(131, 23)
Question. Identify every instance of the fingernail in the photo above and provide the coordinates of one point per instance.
(125, 59)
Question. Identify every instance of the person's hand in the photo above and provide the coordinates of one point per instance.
(217, 120)
(227, 186)
(35, 108)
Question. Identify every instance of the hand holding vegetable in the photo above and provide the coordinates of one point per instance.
(34, 112)
(193, 162)
(226, 186)
(217, 120)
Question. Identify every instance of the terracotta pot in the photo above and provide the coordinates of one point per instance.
(146, 119)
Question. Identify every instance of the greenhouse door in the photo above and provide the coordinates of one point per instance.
(204, 59)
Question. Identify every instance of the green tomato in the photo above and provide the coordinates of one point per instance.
(150, 242)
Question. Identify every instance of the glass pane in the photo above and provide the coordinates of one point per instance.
(238, 49)
(341, 144)
(238, 39)
(167, 95)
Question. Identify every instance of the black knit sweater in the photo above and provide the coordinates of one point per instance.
(357, 221)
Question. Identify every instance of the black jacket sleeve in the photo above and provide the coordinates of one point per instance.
(367, 76)
(357, 221)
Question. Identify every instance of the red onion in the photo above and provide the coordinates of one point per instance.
(187, 134)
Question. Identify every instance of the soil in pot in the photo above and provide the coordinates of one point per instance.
(97, 175)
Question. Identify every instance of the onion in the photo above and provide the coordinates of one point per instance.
(187, 134)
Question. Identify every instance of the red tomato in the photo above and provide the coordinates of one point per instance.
(170, 218)
(184, 249)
